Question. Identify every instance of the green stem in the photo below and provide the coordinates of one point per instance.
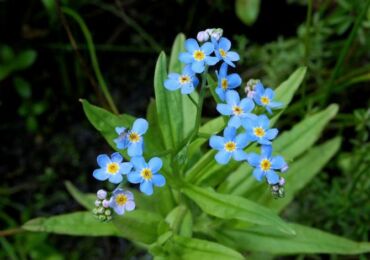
(10, 232)
(344, 51)
(94, 59)
(192, 100)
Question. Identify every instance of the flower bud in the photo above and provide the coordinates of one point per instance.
(284, 168)
(100, 210)
(102, 218)
(202, 36)
(102, 194)
(108, 212)
(97, 203)
(105, 203)
(282, 181)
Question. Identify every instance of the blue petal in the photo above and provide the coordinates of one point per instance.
(207, 48)
(155, 164)
(268, 110)
(223, 157)
(228, 61)
(186, 57)
(116, 157)
(269, 93)
(263, 140)
(274, 104)
(115, 178)
(120, 210)
(224, 44)
(241, 141)
(121, 142)
(235, 121)
(139, 163)
(272, 177)
(120, 130)
(229, 133)
(240, 155)
(195, 81)
(211, 60)
(254, 159)
(224, 109)
(217, 142)
(233, 56)
(277, 162)
(146, 187)
(188, 71)
(234, 80)
(172, 84)
(251, 137)
(271, 133)
(223, 70)
(135, 149)
(259, 88)
(232, 97)
(247, 105)
(174, 76)
(257, 99)
(266, 151)
(130, 205)
(221, 93)
(134, 177)
(249, 124)
(158, 180)
(103, 160)
(191, 45)
(187, 89)
(197, 66)
(140, 126)
(258, 174)
(129, 195)
(125, 167)
(263, 121)
(101, 174)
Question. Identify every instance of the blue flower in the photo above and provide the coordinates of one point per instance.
(222, 48)
(122, 200)
(257, 129)
(226, 82)
(133, 139)
(111, 168)
(147, 174)
(265, 164)
(198, 56)
(264, 97)
(230, 145)
(187, 81)
(236, 108)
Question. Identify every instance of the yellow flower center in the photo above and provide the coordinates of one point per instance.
(224, 84)
(223, 53)
(265, 100)
(112, 168)
(121, 199)
(146, 174)
(259, 131)
(237, 110)
(134, 137)
(230, 146)
(184, 79)
(199, 55)
(265, 165)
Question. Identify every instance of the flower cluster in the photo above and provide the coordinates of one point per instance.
(247, 122)
(137, 171)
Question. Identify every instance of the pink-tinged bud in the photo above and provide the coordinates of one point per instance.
(282, 181)
(102, 194)
(97, 203)
(202, 36)
(284, 168)
(105, 203)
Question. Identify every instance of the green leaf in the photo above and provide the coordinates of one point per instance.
(78, 223)
(192, 248)
(154, 139)
(23, 87)
(300, 173)
(180, 221)
(178, 46)
(86, 200)
(307, 240)
(247, 10)
(234, 207)
(106, 122)
(24, 60)
(290, 144)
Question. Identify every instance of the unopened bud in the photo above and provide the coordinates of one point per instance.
(100, 210)
(202, 36)
(97, 203)
(284, 168)
(105, 203)
(102, 218)
(282, 181)
(102, 194)
(108, 212)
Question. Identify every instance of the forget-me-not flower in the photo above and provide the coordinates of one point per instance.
(197, 56)
(222, 50)
(147, 174)
(236, 108)
(111, 168)
(230, 145)
(187, 81)
(132, 138)
(264, 97)
(265, 165)
(122, 201)
(226, 82)
(257, 129)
